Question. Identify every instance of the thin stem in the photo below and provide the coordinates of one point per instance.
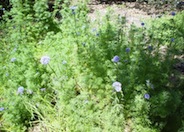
(53, 70)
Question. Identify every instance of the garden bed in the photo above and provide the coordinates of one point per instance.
(109, 67)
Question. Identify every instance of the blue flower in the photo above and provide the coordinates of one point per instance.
(97, 34)
(45, 60)
(115, 59)
(172, 39)
(117, 86)
(150, 48)
(1, 109)
(20, 90)
(73, 8)
(64, 62)
(13, 59)
(147, 96)
(173, 13)
(43, 89)
(127, 50)
(142, 23)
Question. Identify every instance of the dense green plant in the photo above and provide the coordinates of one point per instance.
(87, 76)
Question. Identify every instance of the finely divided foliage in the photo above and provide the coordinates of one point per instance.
(71, 74)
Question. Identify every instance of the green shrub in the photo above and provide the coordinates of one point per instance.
(88, 76)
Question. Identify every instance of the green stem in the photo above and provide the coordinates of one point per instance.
(53, 70)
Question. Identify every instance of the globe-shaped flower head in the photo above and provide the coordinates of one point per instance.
(117, 86)
(13, 59)
(147, 96)
(115, 59)
(142, 23)
(45, 60)
(127, 50)
(1, 109)
(173, 13)
(20, 90)
(150, 48)
(172, 39)
(43, 89)
(73, 8)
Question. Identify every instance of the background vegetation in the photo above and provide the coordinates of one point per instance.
(63, 72)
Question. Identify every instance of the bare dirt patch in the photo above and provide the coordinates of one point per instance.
(134, 12)
(132, 15)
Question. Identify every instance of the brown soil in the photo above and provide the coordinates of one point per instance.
(134, 12)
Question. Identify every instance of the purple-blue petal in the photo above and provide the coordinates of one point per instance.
(115, 59)
(146, 96)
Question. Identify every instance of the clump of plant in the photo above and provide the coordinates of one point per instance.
(90, 76)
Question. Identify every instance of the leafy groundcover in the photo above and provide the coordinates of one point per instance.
(71, 74)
